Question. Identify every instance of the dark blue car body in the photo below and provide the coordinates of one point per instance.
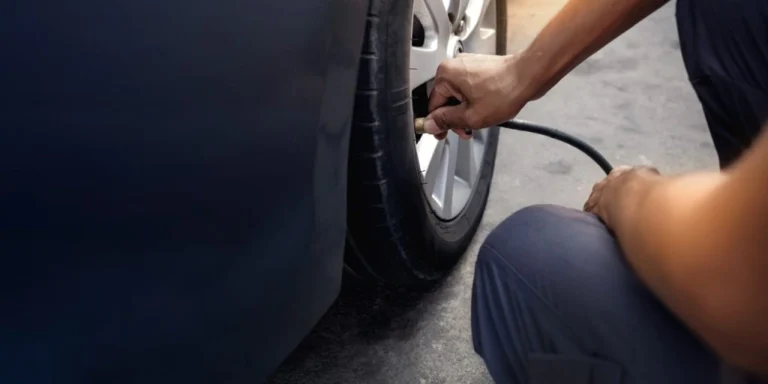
(172, 184)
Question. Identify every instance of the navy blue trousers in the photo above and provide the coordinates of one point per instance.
(724, 44)
(553, 299)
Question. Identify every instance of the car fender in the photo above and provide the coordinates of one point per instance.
(173, 184)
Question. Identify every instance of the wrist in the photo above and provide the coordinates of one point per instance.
(535, 71)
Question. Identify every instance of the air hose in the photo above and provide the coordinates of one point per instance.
(581, 145)
(525, 126)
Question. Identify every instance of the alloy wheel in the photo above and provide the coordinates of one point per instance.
(442, 29)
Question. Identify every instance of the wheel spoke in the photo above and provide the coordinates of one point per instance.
(451, 167)
(478, 149)
(466, 166)
(479, 35)
(439, 185)
(450, 173)
(433, 16)
(430, 152)
(424, 62)
(437, 30)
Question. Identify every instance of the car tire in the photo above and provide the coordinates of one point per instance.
(394, 235)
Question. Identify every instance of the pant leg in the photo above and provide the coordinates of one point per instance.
(725, 49)
(554, 301)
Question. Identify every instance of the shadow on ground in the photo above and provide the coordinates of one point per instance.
(362, 315)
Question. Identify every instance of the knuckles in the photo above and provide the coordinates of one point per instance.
(474, 121)
(442, 121)
(444, 68)
(451, 67)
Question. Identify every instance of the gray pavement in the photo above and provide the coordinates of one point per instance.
(631, 100)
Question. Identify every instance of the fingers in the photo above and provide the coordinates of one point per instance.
(463, 133)
(447, 118)
(441, 94)
(594, 197)
(460, 132)
(443, 116)
(444, 89)
(596, 202)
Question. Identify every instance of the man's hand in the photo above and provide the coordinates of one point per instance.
(488, 88)
(698, 242)
(495, 88)
(620, 191)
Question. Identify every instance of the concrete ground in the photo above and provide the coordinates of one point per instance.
(631, 100)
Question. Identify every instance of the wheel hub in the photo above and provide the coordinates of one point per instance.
(455, 46)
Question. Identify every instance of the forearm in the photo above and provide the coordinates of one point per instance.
(699, 242)
(580, 29)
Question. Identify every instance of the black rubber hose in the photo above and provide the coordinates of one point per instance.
(581, 145)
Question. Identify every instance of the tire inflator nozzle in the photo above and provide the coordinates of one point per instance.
(418, 125)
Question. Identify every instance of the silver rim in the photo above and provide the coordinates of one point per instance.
(450, 167)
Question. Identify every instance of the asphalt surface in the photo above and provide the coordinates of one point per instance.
(631, 100)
